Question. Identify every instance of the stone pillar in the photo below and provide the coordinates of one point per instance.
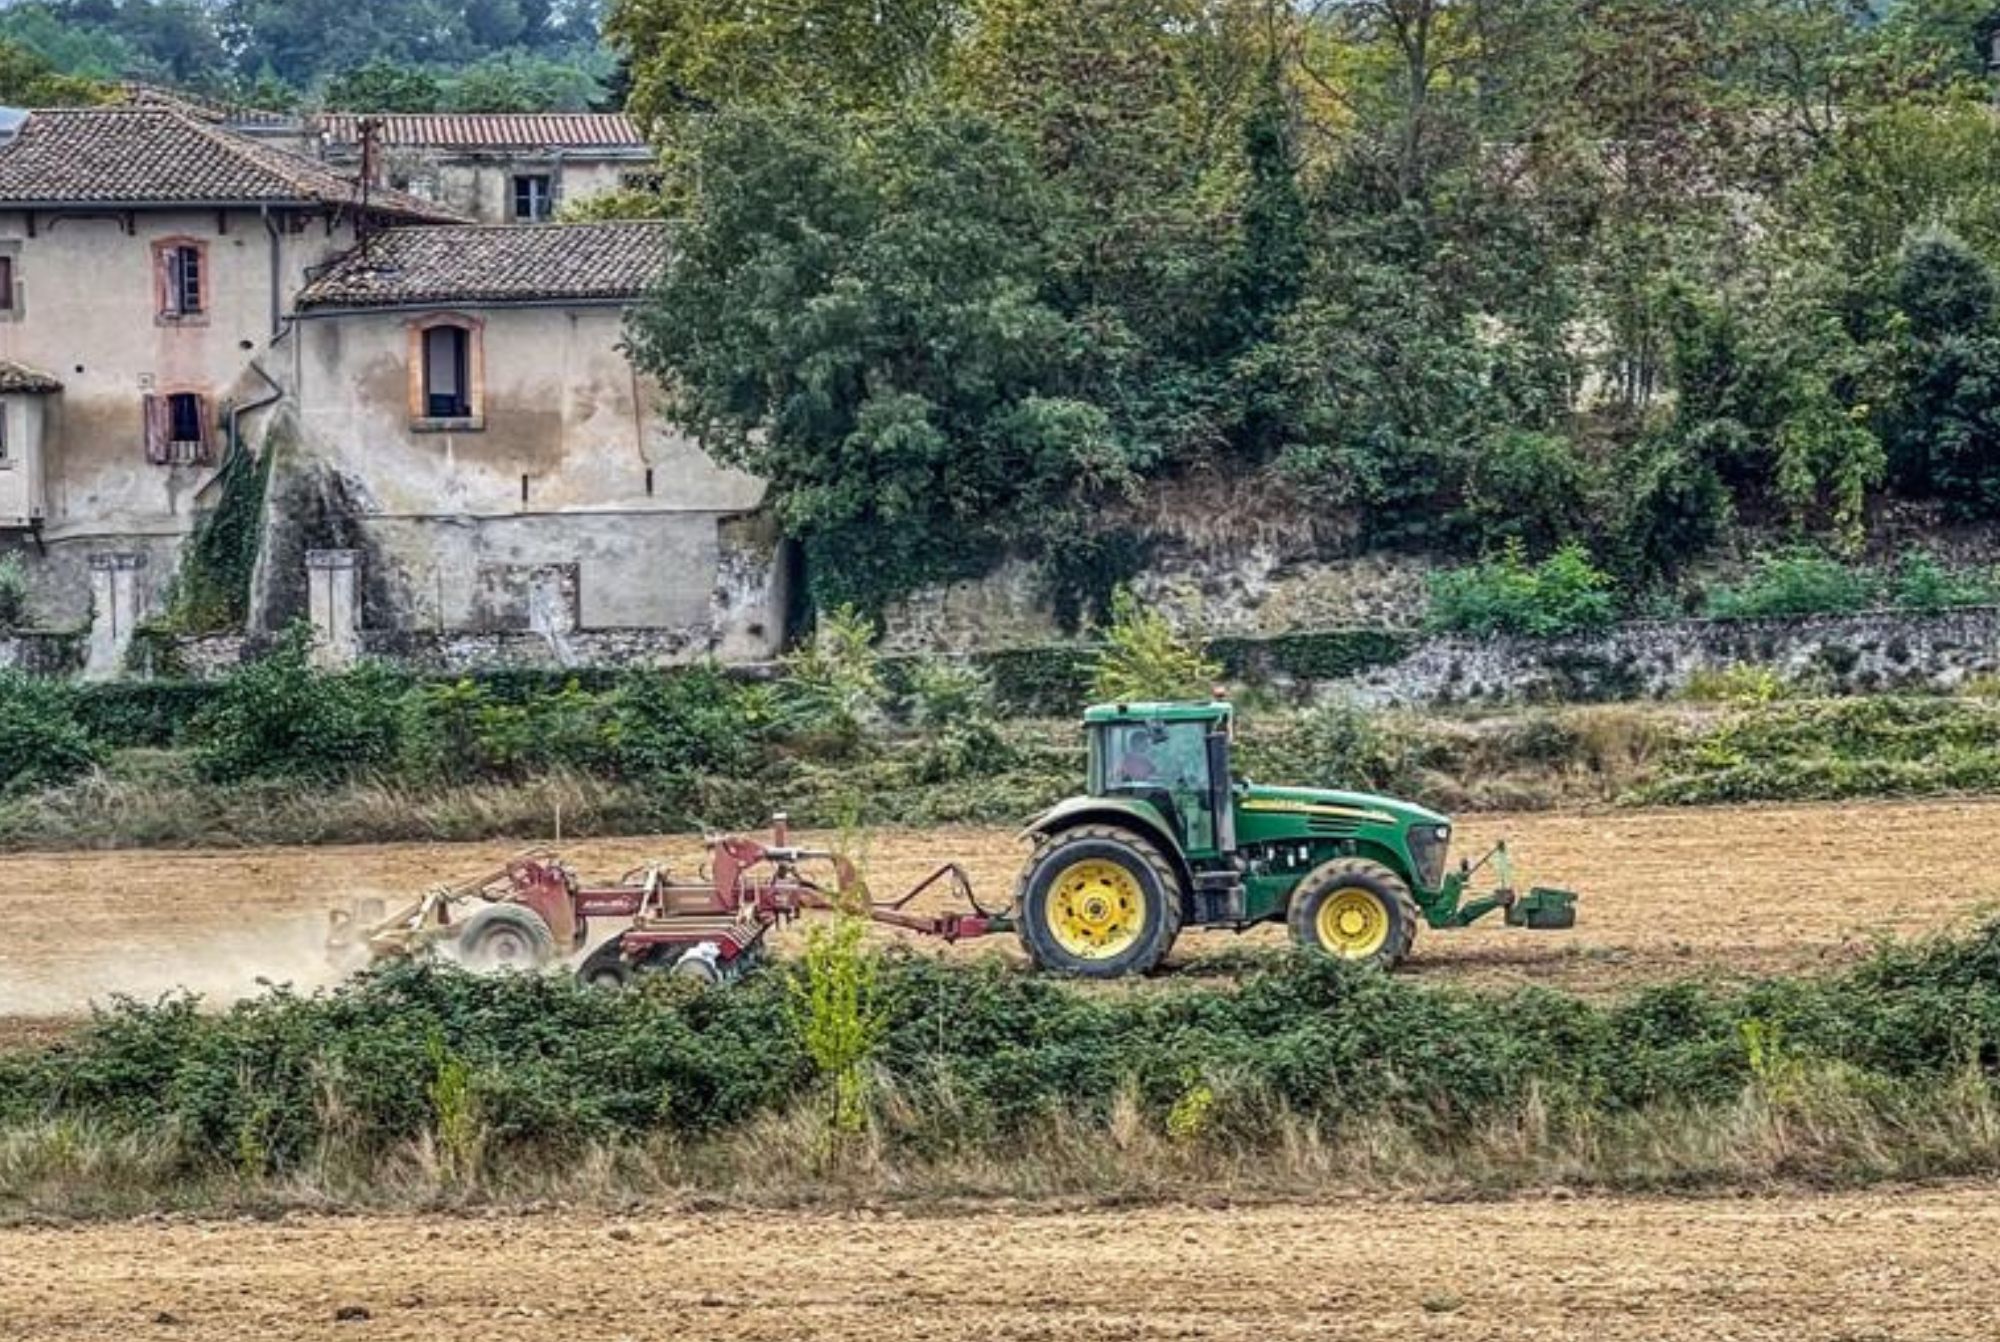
(333, 601)
(555, 607)
(117, 605)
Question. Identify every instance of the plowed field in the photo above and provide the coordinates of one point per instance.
(1883, 1267)
(1665, 893)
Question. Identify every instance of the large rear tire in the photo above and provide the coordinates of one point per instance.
(1354, 909)
(506, 936)
(1098, 902)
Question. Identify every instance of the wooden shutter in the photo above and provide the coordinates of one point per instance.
(207, 436)
(159, 429)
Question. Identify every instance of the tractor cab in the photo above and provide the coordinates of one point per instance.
(1173, 757)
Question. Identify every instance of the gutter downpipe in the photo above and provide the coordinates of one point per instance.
(277, 268)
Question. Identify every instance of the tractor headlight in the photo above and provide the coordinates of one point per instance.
(1428, 845)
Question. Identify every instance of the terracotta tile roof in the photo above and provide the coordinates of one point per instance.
(18, 377)
(164, 156)
(495, 130)
(499, 263)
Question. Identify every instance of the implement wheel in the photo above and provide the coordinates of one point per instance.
(506, 936)
(1354, 909)
(1098, 902)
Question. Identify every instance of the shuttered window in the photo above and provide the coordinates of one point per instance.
(181, 277)
(177, 429)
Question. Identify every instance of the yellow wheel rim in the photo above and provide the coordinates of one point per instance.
(1353, 923)
(1095, 909)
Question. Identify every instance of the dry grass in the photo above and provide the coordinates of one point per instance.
(162, 808)
(1810, 1129)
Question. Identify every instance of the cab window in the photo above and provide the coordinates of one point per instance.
(1144, 759)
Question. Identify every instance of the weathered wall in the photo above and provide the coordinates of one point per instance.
(572, 465)
(1842, 654)
(1256, 590)
(481, 185)
(87, 312)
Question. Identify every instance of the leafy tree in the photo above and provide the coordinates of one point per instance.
(383, 86)
(1945, 430)
(514, 81)
(692, 56)
(862, 320)
(28, 80)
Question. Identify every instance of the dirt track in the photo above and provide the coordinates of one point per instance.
(1878, 1267)
(1665, 893)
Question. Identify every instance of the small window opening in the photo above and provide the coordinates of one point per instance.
(177, 429)
(184, 281)
(534, 195)
(649, 480)
(447, 377)
(6, 284)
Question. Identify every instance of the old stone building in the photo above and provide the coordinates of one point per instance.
(147, 262)
(453, 426)
(469, 425)
(491, 167)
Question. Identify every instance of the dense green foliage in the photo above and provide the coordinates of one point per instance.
(42, 739)
(1832, 749)
(538, 1066)
(1811, 582)
(1564, 594)
(1622, 273)
(416, 55)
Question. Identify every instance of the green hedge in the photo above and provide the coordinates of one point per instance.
(552, 1065)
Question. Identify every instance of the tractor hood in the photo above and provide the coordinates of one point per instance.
(1363, 808)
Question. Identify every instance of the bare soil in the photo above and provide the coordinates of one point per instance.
(1881, 1266)
(1665, 894)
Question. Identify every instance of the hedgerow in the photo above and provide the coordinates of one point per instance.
(550, 1065)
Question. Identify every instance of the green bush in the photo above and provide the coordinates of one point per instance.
(541, 1065)
(279, 717)
(950, 704)
(676, 723)
(832, 687)
(1832, 749)
(1921, 583)
(13, 594)
(1336, 744)
(42, 740)
(1795, 582)
(1526, 487)
(1145, 658)
(1564, 594)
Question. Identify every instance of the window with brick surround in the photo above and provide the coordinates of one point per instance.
(447, 373)
(180, 268)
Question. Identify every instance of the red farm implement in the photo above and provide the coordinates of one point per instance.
(533, 911)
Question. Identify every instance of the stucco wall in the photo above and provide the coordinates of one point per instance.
(558, 474)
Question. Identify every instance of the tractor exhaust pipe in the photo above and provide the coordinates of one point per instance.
(1220, 804)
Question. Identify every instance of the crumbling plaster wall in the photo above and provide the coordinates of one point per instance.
(571, 465)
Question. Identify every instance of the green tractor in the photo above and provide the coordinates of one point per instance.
(1166, 837)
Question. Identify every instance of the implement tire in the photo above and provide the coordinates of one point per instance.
(506, 936)
(1097, 902)
(1357, 910)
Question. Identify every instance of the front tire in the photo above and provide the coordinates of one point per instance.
(1357, 910)
(1098, 902)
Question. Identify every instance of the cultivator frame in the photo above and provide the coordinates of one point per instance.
(710, 925)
